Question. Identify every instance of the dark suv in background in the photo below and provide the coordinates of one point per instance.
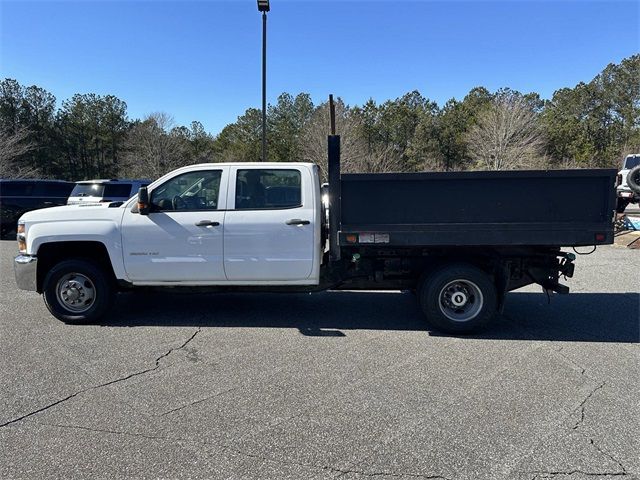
(20, 196)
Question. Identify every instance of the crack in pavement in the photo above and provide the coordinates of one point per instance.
(272, 374)
(577, 471)
(106, 384)
(582, 405)
(231, 449)
(482, 382)
(579, 423)
(196, 402)
(559, 350)
(624, 470)
(387, 474)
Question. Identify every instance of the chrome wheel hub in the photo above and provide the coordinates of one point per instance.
(76, 292)
(460, 300)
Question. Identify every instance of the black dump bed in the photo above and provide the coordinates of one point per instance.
(536, 208)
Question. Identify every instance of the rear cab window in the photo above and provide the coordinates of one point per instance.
(263, 189)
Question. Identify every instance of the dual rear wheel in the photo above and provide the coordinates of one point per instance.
(459, 298)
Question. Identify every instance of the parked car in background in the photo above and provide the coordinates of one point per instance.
(625, 193)
(101, 191)
(20, 196)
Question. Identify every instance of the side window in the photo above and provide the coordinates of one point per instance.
(262, 188)
(52, 189)
(16, 189)
(62, 190)
(189, 191)
(117, 190)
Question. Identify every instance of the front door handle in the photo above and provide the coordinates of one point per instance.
(297, 221)
(207, 223)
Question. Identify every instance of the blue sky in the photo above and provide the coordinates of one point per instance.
(201, 60)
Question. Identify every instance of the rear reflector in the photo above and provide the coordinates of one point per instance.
(600, 237)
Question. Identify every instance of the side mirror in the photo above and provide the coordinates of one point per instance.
(143, 201)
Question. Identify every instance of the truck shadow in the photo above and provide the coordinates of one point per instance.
(588, 317)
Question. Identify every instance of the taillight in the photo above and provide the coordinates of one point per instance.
(619, 179)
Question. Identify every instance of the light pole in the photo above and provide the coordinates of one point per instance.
(263, 6)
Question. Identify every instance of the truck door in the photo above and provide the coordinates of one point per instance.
(269, 227)
(180, 240)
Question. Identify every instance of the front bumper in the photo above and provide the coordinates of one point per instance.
(25, 268)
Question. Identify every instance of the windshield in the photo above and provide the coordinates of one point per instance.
(108, 190)
(631, 161)
(88, 190)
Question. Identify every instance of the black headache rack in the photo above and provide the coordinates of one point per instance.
(546, 208)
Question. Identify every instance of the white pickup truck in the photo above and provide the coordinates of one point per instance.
(262, 227)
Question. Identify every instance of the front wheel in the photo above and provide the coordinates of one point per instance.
(458, 298)
(77, 291)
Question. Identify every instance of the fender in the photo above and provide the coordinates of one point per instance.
(70, 223)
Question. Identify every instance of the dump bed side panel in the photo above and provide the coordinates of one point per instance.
(558, 207)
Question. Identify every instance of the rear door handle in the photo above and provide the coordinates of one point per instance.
(297, 221)
(207, 223)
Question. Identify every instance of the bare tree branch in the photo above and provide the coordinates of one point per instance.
(506, 136)
(151, 150)
(356, 156)
(12, 147)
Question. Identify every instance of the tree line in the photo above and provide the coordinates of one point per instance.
(593, 124)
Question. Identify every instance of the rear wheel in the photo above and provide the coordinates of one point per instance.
(458, 298)
(77, 291)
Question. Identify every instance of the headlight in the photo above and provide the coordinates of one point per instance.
(22, 238)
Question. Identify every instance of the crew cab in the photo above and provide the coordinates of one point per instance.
(263, 227)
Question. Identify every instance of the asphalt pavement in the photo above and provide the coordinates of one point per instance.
(633, 209)
(323, 386)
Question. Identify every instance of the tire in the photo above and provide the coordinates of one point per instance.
(78, 291)
(458, 298)
(621, 204)
(633, 179)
